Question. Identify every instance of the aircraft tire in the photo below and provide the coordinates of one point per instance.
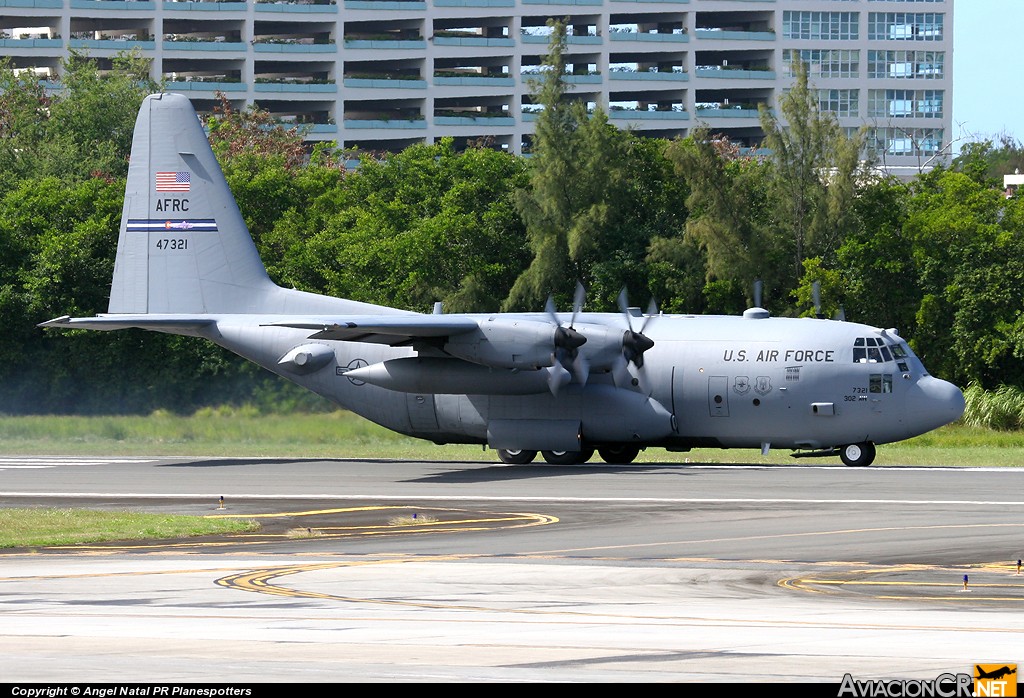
(516, 456)
(858, 455)
(619, 455)
(567, 457)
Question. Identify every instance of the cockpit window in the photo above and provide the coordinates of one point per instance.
(872, 350)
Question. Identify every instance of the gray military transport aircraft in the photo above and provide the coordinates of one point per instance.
(563, 384)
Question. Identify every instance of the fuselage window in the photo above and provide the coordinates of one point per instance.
(880, 383)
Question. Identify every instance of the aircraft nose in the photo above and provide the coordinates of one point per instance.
(936, 402)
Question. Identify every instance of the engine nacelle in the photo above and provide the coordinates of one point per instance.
(604, 346)
(507, 343)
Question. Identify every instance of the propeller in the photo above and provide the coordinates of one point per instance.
(568, 360)
(634, 344)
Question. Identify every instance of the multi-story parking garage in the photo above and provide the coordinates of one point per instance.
(382, 74)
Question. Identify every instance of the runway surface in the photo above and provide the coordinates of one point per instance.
(436, 571)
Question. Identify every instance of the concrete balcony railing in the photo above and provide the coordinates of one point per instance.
(477, 121)
(235, 46)
(296, 87)
(390, 124)
(734, 74)
(113, 5)
(570, 40)
(200, 6)
(642, 114)
(727, 113)
(474, 3)
(205, 86)
(475, 80)
(34, 4)
(384, 5)
(112, 44)
(386, 44)
(385, 83)
(648, 76)
(732, 35)
(294, 48)
(562, 2)
(440, 40)
(649, 37)
(296, 8)
(31, 43)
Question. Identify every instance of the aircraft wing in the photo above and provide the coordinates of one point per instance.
(393, 330)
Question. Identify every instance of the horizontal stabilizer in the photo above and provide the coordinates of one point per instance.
(176, 324)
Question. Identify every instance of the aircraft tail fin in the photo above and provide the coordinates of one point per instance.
(184, 247)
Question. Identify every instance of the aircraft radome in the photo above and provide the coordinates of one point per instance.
(563, 384)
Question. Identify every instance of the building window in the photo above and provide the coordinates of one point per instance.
(923, 65)
(839, 102)
(900, 104)
(824, 63)
(904, 141)
(820, 25)
(905, 26)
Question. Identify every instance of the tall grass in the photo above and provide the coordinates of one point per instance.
(1001, 409)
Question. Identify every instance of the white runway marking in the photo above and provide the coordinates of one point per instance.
(51, 461)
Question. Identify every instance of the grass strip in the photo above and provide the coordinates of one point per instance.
(340, 434)
(47, 527)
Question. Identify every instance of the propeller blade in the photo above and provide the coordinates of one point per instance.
(581, 369)
(620, 373)
(577, 302)
(634, 344)
(652, 311)
(624, 306)
(557, 377)
(549, 308)
(758, 289)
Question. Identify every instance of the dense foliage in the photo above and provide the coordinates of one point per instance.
(692, 222)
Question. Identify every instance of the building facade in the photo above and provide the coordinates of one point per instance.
(383, 74)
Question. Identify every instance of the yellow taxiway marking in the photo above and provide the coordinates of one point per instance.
(778, 536)
(476, 521)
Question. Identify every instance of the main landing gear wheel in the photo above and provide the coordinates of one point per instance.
(516, 456)
(858, 455)
(619, 455)
(567, 457)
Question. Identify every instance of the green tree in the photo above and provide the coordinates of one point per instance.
(881, 279)
(82, 130)
(576, 178)
(813, 173)
(427, 224)
(729, 219)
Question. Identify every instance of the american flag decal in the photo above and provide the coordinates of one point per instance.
(173, 181)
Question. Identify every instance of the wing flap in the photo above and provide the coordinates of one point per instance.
(383, 329)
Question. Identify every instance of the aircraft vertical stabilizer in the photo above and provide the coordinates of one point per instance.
(184, 247)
